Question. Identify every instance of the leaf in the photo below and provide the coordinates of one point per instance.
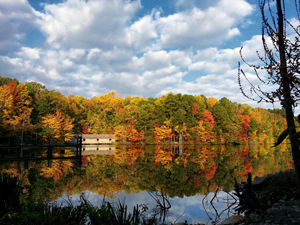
(283, 135)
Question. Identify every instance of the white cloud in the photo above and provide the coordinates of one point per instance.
(17, 18)
(29, 53)
(93, 47)
(156, 60)
(52, 73)
(89, 24)
(105, 24)
(209, 67)
(141, 32)
(197, 28)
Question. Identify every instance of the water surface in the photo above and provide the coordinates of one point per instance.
(186, 174)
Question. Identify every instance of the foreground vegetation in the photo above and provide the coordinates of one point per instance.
(30, 110)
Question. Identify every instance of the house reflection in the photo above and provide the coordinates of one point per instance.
(98, 149)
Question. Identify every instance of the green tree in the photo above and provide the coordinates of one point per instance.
(34, 89)
(7, 80)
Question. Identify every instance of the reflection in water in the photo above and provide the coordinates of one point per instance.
(210, 202)
(184, 173)
(98, 149)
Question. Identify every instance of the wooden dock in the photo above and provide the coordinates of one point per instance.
(50, 146)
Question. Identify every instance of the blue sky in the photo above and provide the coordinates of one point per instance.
(140, 47)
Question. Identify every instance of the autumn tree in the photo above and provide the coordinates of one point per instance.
(211, 102)
(15, 102)
(57, 126)
(6, 103)
(205, 126)
(281, 61)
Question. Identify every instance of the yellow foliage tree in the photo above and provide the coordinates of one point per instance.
(200, 99)
(164, 131)
(120, 133)
(58, 126)
(211, 102)
(15, 111)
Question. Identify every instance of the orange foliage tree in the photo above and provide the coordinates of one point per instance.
(205, 126)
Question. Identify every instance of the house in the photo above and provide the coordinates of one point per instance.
(97, 139)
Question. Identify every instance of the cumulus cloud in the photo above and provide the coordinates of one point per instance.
(197, 28)
(88, 24)
(105, 24)
(17, 18)
(93, 47)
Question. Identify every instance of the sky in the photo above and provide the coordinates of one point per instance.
(144, 48)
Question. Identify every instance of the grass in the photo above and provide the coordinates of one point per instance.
(114, 215)
(31, 212)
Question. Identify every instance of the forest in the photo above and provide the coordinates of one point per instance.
(31, 113)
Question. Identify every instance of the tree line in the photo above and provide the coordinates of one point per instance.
(31, 110)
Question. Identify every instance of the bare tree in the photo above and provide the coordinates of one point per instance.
(281, 61)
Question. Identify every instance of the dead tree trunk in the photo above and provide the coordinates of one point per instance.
(287, 103)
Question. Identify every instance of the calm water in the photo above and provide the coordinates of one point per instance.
(188, 175)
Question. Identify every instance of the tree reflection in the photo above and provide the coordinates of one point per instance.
(183, 171)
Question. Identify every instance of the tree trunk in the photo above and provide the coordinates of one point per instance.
(180, 138)
(22, 133)
(180, 149)
(287, 104)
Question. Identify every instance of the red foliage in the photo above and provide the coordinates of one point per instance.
(84, 129)
(84, 160)
(12, 87)
(247, 163)
(195, 108)
(110, 129)
(128, 130)
(119, 178)
(207, 116)
(135, 138)
(197, 181)
(136, 152)
(245, 126)
(110, 160)
(129, 159)
(120, 111)
(210, 173)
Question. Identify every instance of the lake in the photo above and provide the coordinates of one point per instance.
(188, 175)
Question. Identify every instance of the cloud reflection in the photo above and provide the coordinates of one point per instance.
(188, 209)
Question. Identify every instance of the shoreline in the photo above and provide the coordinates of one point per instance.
(275, 201)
